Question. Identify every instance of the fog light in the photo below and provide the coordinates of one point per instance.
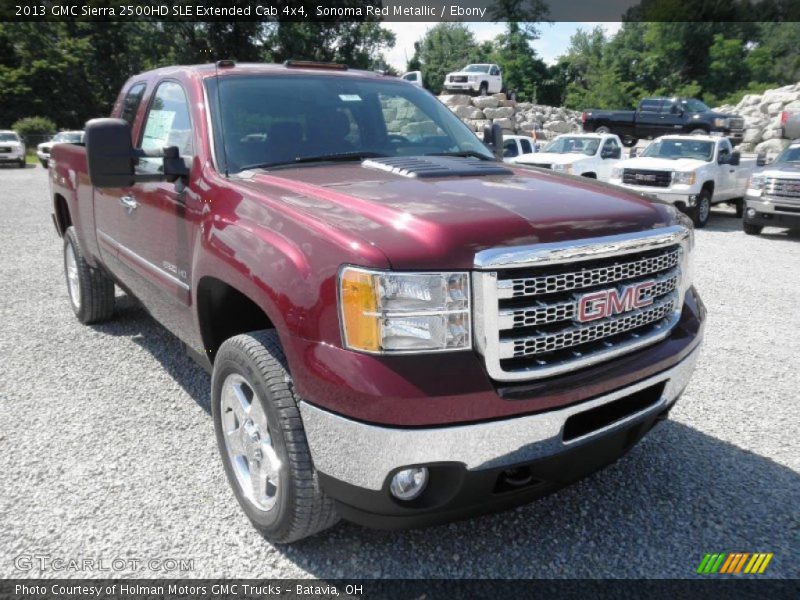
(409, 483)
(751, 212)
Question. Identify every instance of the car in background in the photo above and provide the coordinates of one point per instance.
(12, 148)
(516, 147)
(655, 117)
(773, 193)
(481, 79)
(692, 172)
(414, 77)
(587, 154)
(790, 124)
(62, 137)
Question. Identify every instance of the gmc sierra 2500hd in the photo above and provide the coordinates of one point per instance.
(401, 329)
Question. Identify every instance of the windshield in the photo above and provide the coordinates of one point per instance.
(9, 137)
(675, 149)
(790, 155)
(476, 69)
(694, 106)
(285, 119)
(573, 144)
(67, 138)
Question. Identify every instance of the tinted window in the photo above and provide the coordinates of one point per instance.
(526, 146)
(130, 105)
(510, 148)
(476, 69)
(791, 154)
(278, 119)
(167, 124)
(610, 144)
(650, 105)
(9, 137)
(694, 106)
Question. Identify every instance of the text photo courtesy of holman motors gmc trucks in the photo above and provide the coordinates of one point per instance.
(401, 329)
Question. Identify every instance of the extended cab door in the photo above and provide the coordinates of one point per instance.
(648, 118)
(495, 80)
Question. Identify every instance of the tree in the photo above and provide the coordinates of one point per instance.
(523, 71)
(445, 47)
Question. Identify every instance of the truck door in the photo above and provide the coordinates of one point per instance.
(648, 118)
(609, 155)
(495, 81)
(726, 182)
(158, 221)
(672, 118)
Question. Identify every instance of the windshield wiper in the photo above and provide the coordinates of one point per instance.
(335, 157)
(461, 154)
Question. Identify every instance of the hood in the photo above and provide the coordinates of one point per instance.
(552, 158)
(787, 170)
(440, 223)
(661, 164)
(45, 146)
(12, 144)
(713, 114)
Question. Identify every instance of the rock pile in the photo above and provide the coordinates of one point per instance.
(762, 118)
(513, 117)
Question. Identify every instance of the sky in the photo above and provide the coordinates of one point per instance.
(552, 43)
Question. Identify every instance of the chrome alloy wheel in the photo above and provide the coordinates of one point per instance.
(248, 442)
(71, 271)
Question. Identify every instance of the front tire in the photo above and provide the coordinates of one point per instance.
(44, 163)
(629, 142)
(22, 164)
(262, 442)
(751, 228)
(701, 212)
(483, 90)
(90, 291)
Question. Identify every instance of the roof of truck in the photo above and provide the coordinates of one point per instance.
(211, 69)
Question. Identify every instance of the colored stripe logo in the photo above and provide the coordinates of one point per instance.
(734, 562)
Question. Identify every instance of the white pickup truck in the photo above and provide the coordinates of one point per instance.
(693, 172)
(587, 154)
(482, 79)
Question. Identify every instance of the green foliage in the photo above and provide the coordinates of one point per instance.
(446, 47)
(32, 127)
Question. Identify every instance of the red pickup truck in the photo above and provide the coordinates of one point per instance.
(401, 329)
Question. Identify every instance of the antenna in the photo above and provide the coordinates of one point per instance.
(217, 64)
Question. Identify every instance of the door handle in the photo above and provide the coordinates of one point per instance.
(129, 203)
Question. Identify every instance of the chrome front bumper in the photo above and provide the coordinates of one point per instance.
(772, 205)
(365, 455)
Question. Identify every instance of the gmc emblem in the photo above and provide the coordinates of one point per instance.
(640, 177)
(607, 303)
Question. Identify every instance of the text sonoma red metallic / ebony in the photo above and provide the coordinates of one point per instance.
(401, 329)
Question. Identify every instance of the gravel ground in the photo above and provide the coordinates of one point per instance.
(107, 448)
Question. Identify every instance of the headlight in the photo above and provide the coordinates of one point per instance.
(755, 185)
(687, 178)
(393, 313)
(724, 123)
(472, 78)
(616, 173)
(563, 168)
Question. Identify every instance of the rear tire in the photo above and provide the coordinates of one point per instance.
(701, 212)
(629, 142)
(262, 441)
(602, 129)
(698, 131)
(751, 228)
(90, 291)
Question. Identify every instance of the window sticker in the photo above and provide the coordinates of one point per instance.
(157, 130)
(349, 97)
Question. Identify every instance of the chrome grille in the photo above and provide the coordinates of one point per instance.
(544, 313)
(576, 336)
(645, 177)
(540, 165)
(737, 123)
(782, 188)
(528, 300)
(561, 282)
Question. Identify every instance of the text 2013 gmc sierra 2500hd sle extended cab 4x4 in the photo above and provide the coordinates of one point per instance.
(401, 329)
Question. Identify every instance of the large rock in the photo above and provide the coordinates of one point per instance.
(468, 112)
(455, 99)
(505, 123)
(502, 112)
(477, 124)
(773, 146)
(752, 136)
(558, 126)
(485, 102)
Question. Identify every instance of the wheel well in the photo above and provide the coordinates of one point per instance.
(589, 175)
(63, 219)
(708, 185)
(223, 312)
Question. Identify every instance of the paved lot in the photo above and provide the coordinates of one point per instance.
(107, 448)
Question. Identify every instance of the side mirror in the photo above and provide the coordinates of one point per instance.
(493, 138)
(611, 153)
(761, 159)
(735, 159)
(111, 158)
(724, 159)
